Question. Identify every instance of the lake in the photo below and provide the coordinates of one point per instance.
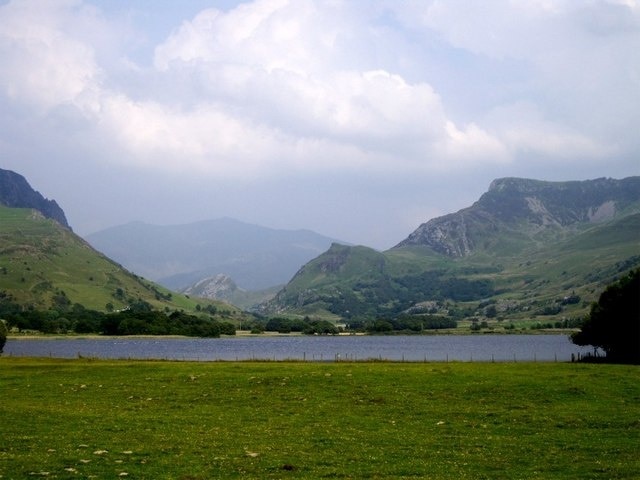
(481, 348)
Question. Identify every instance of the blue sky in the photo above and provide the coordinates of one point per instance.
(359, 120)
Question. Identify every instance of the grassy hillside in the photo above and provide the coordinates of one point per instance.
(516, 215)
(44, 265)
(544, 282)
(583, 264)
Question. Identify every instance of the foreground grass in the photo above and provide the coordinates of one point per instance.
(178, 420)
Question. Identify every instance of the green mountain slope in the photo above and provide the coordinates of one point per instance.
(359, 282)
(520, 214)
(43, 264)
(527, 250)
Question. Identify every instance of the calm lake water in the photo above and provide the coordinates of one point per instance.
(483, 348)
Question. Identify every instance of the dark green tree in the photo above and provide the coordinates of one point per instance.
(3, 335)
(278, 324)
(613, 323)
(380, 326)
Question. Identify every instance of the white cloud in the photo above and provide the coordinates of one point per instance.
(582, 58)
(282, 64)
(269, 90)
(42, 64)
(251, 90)
(470, 145)
(298, 36)
(524, 130)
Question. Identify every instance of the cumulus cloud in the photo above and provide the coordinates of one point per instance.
(249, 90)
(276, 88)
(42, 64)
(582, 64)
(283, 64)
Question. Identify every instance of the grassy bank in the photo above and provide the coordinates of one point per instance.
(180, 420)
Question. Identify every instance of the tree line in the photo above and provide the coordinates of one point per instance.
(138, 319)
(403, 324)
(302, 325)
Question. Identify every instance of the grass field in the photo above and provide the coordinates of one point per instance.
(179, 420)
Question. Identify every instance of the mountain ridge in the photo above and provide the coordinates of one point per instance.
(15, 192)
(178, 256)
(526, 208)
(524, 248)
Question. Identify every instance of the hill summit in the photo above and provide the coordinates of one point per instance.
(517, 213)
(15, 192)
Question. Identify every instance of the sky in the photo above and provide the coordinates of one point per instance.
(359, 120)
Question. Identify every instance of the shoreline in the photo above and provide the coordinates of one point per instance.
(247, 334)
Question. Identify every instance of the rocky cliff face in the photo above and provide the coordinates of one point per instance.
(15, 192)
(218, 287)
(529, 210)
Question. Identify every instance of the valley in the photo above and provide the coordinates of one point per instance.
(527, 255)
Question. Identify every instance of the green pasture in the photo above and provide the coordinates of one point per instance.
(78, 419)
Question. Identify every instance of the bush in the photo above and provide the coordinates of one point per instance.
(321, 327)
(435, 322)
(227, 328)
(280, 325)
(380, 326)
(3, 335)
(613, 323)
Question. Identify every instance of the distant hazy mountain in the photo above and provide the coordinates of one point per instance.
(178, 256)
(15, 192)
(525, 249)
(44, 265)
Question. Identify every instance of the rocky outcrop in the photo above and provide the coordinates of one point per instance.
(15, 192)
(524, 209)
(218, 287)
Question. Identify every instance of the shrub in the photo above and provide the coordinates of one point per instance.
(613, 323)
(3, 335)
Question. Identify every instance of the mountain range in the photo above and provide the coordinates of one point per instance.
(43, 264)
(525, 249)
(179, 256)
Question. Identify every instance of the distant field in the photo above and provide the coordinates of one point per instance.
(180, 420)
